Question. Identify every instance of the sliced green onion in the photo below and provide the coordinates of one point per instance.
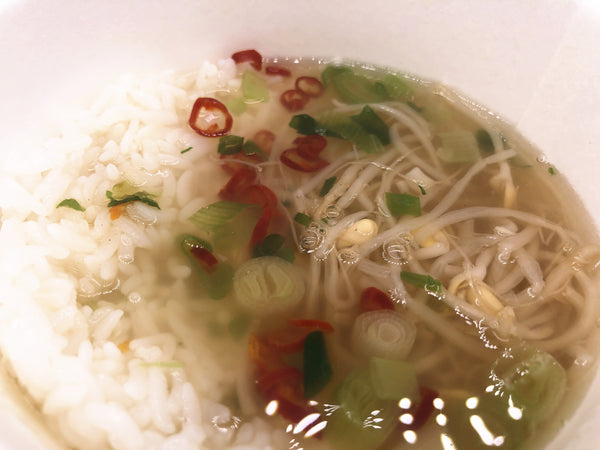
(421, 188)
(327, 185)
(316, 368)
(551, 171)
(141, 196)
(185, 150)
(373, 124)
(383, 333)
(70, 203)
(484, 141)
(236, 105)
(307, 125)
(346, 128)
(353, 88)
(268, 285)
(331, 72)
(401, 204)
(230, 144)
(272, 245)
(254, 87)
(216, 215)
(534, 380)
(396, 87)
(303, 219)
(393, 380)
(251, 148)
(458, 146)
(427, 282)
(363, 420)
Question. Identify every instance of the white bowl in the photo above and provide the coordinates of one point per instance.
(535, 63)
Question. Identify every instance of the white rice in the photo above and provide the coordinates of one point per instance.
(87, 363)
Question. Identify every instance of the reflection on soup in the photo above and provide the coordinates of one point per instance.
(361, 260)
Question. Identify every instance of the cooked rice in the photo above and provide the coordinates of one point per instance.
(134, 372)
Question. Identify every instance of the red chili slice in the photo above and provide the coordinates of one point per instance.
(241, 179)
(372, 299)
(251, 56)
(264, 356)
(269, 380)
(258, 194)
(309, 86)
(294, 100)
(422, 411)
(205, 258)
(276, 70)
(291, 339)
(310, 146)
(294, 160)
(210, 117)
(264, 139)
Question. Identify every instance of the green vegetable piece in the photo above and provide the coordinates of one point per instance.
(551, 171)
(458, 146)
(493, 411)
(534, 380)
(236, 105)
(141, 196)
(230, 144)
(254, 87)
(331, 72)
(185, 150)
(268, 285)
(303, 219)
(251, 148)
(427, 282)
(353, 88)
(229, 225)
(316, 368)
(239, 325)
(327, 185)
(347, 128)
(421, 188)
(396, 88)
(70, 203)
(216, 215)
(363, 420)
(373, 124)
(307, 125)
(401, 204)
(286, 254)
(392, 379)
(272, 246)
(218, 281)
(484, 141)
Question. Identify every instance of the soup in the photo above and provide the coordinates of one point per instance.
(280, 253)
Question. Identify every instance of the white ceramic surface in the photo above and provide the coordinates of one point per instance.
(535, 62)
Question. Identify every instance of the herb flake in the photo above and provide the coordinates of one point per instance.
(70, 203)
(327, 185)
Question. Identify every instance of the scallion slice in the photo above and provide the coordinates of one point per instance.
(317, 370)
(254, 87)
(373, 124)
(230, 144)
(302, 219)
(427, 282)
(327, 185)
(401, 204)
